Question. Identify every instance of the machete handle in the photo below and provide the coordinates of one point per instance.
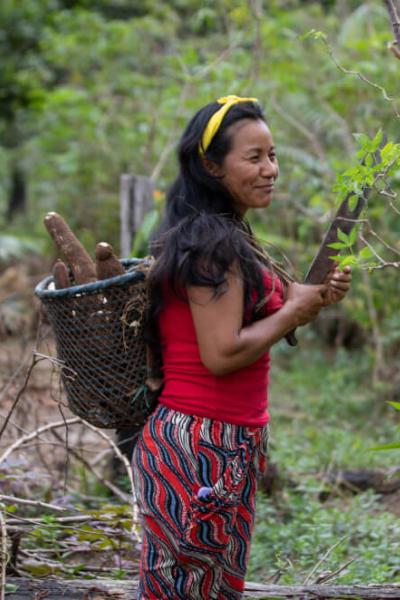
(291, 338)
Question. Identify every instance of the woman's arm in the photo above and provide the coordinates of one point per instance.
(225, 345)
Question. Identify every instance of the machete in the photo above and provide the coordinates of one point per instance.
(344, 219)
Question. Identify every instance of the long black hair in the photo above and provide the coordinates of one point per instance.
(202, 236)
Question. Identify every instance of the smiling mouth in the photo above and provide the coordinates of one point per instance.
(267, 188)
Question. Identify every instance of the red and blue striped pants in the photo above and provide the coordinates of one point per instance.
(195, 481)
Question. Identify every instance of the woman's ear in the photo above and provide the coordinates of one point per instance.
(212, 168)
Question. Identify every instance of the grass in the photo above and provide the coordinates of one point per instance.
(326, 415)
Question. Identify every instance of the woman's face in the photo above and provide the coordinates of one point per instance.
(250, 168)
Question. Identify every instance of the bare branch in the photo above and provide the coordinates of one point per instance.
(108, 484)
(394, 20)
(128, 470)
(362, 78)
(4, 555)
(323, 558)
(36, 503)
(35, 434)
(19, 394)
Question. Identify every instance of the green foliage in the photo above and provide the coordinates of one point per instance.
(293, 536)
(107, 532)
(393, 445)
(14, 247)
(324, 418)
(91, 90)
(140, 243)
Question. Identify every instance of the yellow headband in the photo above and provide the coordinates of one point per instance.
(215, 121)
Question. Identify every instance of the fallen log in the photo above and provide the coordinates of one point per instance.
(106, 589)
(363, 479)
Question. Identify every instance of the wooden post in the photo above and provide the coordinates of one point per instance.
(136, 199)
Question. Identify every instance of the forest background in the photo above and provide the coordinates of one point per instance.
(90, 90)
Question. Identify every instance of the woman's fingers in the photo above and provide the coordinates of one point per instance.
(339, 284)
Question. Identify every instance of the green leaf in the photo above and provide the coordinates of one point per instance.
(107, 544)
(41, 570)
(343, 237)
(392, 446)
(11, 588)
(365, 253)
(338, 245)
(378, 138)
(362, 139)
(353, 236)
(369, 160)
(353, 200)
(395, 405)
(347, 260)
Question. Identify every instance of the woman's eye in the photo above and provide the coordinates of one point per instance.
(254, 158)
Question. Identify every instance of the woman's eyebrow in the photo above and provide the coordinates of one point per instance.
(258, 149)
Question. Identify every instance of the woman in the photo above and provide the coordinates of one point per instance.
(218, 306)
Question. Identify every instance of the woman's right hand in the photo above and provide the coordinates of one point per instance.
(304, 302)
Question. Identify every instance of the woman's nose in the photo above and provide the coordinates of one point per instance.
(269, 168)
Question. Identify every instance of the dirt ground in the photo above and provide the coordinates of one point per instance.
(31, 395)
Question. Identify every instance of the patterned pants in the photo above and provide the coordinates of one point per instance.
(195, 481)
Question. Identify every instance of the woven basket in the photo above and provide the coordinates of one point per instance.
(98, 329)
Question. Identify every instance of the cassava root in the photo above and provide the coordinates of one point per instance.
(82, 266)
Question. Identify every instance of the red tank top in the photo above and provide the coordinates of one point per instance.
(241, 397)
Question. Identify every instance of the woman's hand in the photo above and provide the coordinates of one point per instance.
(304, 302)
(338, 284)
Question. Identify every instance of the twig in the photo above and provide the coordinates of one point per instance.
(382, 241)
(10, 422)
(36, 503)
(20, 392)
(324, 557)
(49, 427)
(99, 457)
(128, 470)
(386, 265)
(4, 555)
(16, 520)
(333, 574)
(361, 77)
(374, 252)
(35, 434)
(108, 484)
(394, 19)
(14, 375)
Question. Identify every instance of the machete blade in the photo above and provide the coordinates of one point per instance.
(344, 219)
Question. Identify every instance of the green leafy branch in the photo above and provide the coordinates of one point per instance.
(322, 37)
(379, 163)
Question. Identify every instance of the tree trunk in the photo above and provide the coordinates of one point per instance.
(17, 197)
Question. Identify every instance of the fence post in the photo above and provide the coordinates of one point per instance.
(135, 200)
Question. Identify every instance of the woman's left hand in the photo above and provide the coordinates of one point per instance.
(338, 283)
